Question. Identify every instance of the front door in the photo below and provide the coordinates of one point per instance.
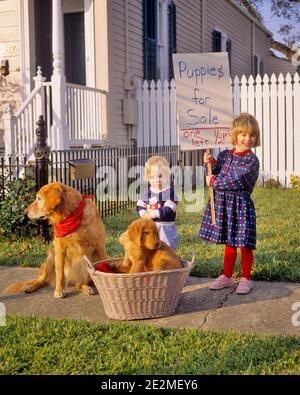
(43, 36)
(74, 48)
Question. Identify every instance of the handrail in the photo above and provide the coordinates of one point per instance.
(83, 87)
(48, 83)
(27, 101)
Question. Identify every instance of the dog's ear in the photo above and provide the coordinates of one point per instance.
(123, 239)
(135, 231)
(53, 198)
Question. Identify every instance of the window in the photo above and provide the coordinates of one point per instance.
(217, 41)
(258, 66)
(159, 38)
(221, 43)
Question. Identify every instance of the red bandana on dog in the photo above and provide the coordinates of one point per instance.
(72, 222)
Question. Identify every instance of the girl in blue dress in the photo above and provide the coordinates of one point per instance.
(234, 176)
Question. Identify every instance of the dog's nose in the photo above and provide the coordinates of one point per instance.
(26, 212)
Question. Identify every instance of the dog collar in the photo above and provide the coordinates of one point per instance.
(72, 221)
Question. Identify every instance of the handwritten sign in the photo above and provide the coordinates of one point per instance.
(204, 99)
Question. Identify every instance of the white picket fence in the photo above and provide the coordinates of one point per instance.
(275, 102)
(157, 124)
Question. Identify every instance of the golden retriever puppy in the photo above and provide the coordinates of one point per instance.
(144, 252)
(78, 231)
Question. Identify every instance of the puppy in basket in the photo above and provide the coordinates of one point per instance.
(144, 251)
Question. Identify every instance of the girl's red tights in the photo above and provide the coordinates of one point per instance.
(230, 254)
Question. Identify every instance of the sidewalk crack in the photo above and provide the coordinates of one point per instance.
(226, 297)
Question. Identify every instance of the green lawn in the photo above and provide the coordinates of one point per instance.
(48, 346)
(278, 246)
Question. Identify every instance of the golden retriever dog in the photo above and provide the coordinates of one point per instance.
(78, 231)
(144, 252)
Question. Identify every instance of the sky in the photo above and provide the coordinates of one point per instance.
(272, 22)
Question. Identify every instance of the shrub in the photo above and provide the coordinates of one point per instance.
(17, 194)
(295, 182)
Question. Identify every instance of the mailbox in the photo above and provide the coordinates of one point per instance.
(81, 168)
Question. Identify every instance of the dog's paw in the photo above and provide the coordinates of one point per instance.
(30, 288)
(59, 294)
(86, 290)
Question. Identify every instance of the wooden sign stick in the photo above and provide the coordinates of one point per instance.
(211, 194)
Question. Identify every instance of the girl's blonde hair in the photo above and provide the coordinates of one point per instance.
(245, 123)
(158, 161)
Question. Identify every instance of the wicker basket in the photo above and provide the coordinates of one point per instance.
(139, 295)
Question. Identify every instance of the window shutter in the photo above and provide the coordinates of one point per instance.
(261, 68)
(150, 39)
(228, 49)
(255, 65)
(172, 36)
(217, 41)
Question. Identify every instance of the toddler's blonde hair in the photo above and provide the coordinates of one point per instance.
(245, 123)
(158, 161)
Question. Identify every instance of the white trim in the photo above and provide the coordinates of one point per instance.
(89, 43)
(25, 44)
(259, 60)
(163, 44)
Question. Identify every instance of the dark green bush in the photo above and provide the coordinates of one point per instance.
(17, 195)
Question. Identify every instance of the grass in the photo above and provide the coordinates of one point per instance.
(276, 258)
(48, 346)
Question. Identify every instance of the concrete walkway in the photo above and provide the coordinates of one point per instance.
(267, 309)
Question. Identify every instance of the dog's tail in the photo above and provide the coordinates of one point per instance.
(45, 278)
(21, 286)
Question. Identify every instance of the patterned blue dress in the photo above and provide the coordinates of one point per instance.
(235, 175)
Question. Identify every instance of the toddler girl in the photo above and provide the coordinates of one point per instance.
(159, 201)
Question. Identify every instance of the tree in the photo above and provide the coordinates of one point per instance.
(290, 11)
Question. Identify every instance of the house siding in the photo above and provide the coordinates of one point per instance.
(135, 38)
(119, 47)
(117, 67)
(189, 26)
(10, 89)
(231, 22)
(121, 62)
(195, 23)
(261, 46)
(276, 65)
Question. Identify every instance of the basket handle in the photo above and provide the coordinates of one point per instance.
(192, 261)
(89, 264)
